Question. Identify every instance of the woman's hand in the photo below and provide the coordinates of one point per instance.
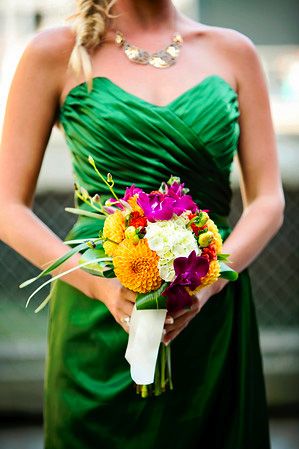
(181, 319)
(119, 299)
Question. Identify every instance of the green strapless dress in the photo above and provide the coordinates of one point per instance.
(218, 401)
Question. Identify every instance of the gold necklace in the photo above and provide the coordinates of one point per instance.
(159, 59)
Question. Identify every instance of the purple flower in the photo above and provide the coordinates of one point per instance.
(160, 206)
(176, 189)
(156, 206)
(112, 202)
(131, 191)
(189, 271)
(177, 298)
(109, 210)
(182, 202)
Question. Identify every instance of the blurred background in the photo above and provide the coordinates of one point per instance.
(273, 27)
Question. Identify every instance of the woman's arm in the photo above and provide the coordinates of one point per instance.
(30, 115)
(261, 188)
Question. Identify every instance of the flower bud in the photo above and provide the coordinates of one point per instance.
(96, 198)
(201, 219)
(84, 193)
(91, 160)
(130, 232)
(135, 239)
(205, 239)
(173, 179)
(109, 177)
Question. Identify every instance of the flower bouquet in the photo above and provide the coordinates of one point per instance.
(160, 245)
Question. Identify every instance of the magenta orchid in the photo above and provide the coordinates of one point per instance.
(162, 206)
(189, 271)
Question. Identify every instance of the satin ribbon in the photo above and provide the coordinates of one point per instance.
(145, 335)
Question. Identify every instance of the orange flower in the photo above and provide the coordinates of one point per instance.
(137, 220)
(133, 203)
(218, 240)
(136, 266)
(114, 231)
(210, 252)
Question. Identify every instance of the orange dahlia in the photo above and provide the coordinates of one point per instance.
(136, 266)
(218, 240)
(114, 232)
(133, 203)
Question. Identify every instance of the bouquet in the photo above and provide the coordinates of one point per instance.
(160, 245)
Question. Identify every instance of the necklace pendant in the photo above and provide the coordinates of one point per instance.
(159, 59)
(136, 54)
(173, 50)
(119, 39)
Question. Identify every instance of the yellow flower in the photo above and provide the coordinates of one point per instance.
(218, 240)
(114, 230)
(133, 203)
(110, 248)
(206, 238)
(136, 266)
(211, 277)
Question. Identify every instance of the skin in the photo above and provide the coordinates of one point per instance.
(40, 85)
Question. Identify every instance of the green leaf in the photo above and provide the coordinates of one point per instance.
(63, 274)
(152, 300)
(86, 213)
(95, 268)
(56, 264)
(227, 272)
(109, 273)
(96, 240)
(223, 256)
(43, 304)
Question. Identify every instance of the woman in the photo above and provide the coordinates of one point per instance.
(143, 124)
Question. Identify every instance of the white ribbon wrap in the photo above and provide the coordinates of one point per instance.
(145, 335)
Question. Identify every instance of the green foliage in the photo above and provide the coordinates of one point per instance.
(152, 300)
(227, 272)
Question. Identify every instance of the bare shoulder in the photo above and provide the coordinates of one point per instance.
(238, 45)
(51, 46)
(240, 50)
(230, 38)
(227, 38)
(232, 48)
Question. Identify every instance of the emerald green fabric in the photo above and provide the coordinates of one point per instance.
(218, 401)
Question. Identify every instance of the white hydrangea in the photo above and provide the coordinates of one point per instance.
(170, 239)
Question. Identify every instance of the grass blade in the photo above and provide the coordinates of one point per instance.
(63, 274)
(86, 213)
(56, 264)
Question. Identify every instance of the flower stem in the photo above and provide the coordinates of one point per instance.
(92, 162)
(163, 366)
(168, 358)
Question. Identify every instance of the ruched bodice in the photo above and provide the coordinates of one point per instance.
(195, 136)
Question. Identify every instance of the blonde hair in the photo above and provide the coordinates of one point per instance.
(90, 23)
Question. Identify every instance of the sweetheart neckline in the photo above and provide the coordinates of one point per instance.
(141, 100)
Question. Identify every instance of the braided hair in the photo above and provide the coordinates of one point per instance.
(90, 23)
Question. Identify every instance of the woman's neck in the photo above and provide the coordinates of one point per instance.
(146, 16)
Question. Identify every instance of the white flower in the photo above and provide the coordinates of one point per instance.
(170, 239)
(166, 271)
